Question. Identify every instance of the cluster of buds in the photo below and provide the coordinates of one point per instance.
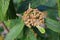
(33, 17)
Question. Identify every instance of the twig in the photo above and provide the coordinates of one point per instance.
(4, 26)
(29, 6)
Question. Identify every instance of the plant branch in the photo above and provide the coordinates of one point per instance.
(4, 26)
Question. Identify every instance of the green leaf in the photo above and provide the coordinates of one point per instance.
(52, 35)
(3, 8)
(30, 35)
(41, 29)
(53, 12)
(53, 25)
(36, 3)
(11, 12)
(11, 23)
(50, 3)
(58, 3)
(17, 1)
(15, 31)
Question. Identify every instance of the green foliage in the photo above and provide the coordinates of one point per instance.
(15, 31)
(3, 8)
(41, 29)
(11, 12)
(11, 23)
(20, 32)
(50, 3)
(36, 3)
(52, 35)
(53, 25)
(53, 12)
(58, 3)
(30, 35)
(17, 1)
